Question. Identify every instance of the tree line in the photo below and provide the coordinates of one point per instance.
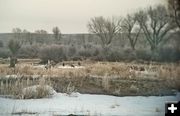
(157, 24)
(23, 36)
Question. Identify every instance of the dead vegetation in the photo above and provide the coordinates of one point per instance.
(115, 78)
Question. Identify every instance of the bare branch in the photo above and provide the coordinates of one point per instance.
(105, 29)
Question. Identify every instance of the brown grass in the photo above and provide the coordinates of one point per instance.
(122, 70)
(105, 72)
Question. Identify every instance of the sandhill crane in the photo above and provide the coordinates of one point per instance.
(79, 64)
(72, 65)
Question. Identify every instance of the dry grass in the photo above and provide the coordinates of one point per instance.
(105, 83)
(122, 70)
(70, 89)
(119, 76)
(25, 89)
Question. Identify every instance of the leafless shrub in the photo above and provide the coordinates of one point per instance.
(4, 53)
(52, 52)
(168, 54)
(28, 51)
(72, 51)
(85, 53)
(70, 89)
(143, 54)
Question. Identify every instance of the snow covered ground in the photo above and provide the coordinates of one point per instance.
(87, 104)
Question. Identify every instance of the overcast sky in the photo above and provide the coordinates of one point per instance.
(71, 16)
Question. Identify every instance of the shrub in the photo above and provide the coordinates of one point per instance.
(96, 52)
(164, 54)
(52, 52)
(88, 46)
(1, 44)
(129, 54)
(28, 51)
(4, 53)
(14, 46)
(143, 54)
(168, 54)
(113, 56)
(70, 89)
(85, 53)
(71, 51)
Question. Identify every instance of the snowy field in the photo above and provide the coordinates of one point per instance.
(86, 104)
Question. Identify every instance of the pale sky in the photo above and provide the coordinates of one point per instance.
(71, 16)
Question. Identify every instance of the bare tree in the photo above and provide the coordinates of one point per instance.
(40, 35)
(174, 8)
(17, 34)
(14, 46)
(105, 29)
(28, 36)
(155, 24)
(57, 33)
(131, 29)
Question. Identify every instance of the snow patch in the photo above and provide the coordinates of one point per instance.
(87, 104)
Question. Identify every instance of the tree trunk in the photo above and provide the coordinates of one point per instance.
(153, 47)
(154, 54)
(13, 61)
(133, 46)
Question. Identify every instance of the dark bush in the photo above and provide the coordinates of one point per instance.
(28, 51)
(85, 53)
(72, 51)
(56, 53)
(129, 54)
(113, 56)
(168, 54)
(107, 54)
(96, 52)
(4, 53)
(90, 51)
(88, 46)
(1, 44)
(143, 54)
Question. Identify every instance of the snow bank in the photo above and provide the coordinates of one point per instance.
(86, 104)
